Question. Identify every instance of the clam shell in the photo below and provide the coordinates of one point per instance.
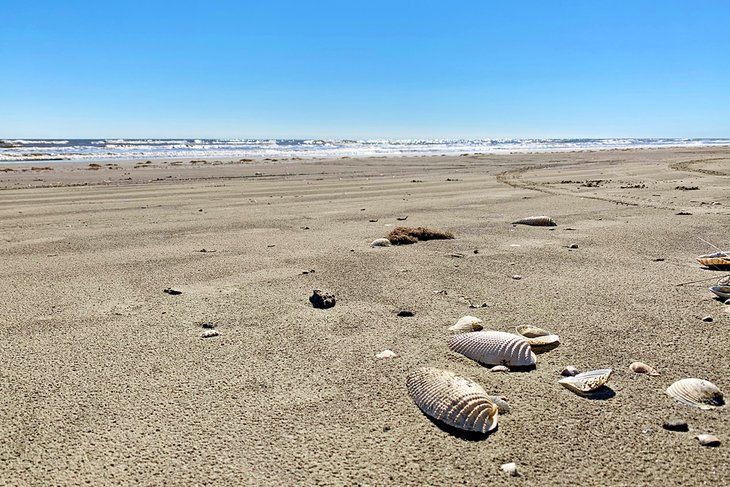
(708, 440)
(454, 400)
(717, 259)
(537, 221)
(467, 323)
(494, 348)
(642, 368)
(541, 343)
(587, 381)
(386, 354)
(718, 290)
(697, 393)
(530, 331)
(380, 242)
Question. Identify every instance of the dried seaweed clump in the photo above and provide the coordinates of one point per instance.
(410, 235)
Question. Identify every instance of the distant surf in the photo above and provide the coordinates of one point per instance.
(18, 150)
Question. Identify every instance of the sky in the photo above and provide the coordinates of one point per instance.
(364, 69)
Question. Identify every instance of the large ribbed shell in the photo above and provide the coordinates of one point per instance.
(717, 259)
(467, 323)
(494, 348)
(536, 221)
(587, 381)
(454, 400)
(697, 393)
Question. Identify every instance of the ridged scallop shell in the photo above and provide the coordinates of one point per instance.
(454, 400)
(467, 323)
(717, 259)
(494, 348)
(642, 368)
(719, 291)
(536, 221)
(697, 393)
(380, 242)
(587, 381)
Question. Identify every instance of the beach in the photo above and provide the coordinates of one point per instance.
(106, 379)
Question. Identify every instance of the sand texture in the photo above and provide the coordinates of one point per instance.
(105, 378)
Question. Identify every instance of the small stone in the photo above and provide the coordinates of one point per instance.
(386, 354)
(708, 440)
(707, 319)
(517, 277)
(172, 292)
(321, 300)
(510, 469)
(573, 246)
(675, 424)
(569, 371)
(209, 334)
(208, 325)
(404, 313)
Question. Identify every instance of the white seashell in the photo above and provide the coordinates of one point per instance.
(499, 368)
(708, 440)
(642, 368)
(718, 290)
(531, 331)
(543, 343)
(494, 348)
(537, 221)
(386, 354)
(587, 381)
(467, 323)
(510, 469)
(569, 371)
(209, 334)
(454, 400)
(724, 282)
(380, 242)
(697, 393)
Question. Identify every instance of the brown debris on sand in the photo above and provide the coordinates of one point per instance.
(411, 235)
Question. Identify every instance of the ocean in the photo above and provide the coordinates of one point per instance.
(18, 150)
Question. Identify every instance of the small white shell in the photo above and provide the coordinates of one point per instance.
(708, 440)
(386, 354)
(587, 381)
(380, 242)
(209, 334)
(494, 348)
(642, 368)
(538, 221)
(467, 323)
(454, 400)
(499, 368)
(531, 331)
(510, 469)
(697, 393)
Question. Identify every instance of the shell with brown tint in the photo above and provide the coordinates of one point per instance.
(540, 340)
(451, 399)
(587, 382)
(380, 242)
(696, 393)
(642, 368)
(494, 348)
(536, 221)
(717, 259)
(467, 323)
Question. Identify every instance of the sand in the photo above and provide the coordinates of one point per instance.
(105, 378)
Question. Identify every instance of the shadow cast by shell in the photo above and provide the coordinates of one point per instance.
(460, 433)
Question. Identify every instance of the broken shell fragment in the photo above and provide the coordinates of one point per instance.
(380, 242)
(696, 393)
(454, 400)
(719, 292)
(587, 382)
(642, 368)
(499, 368)
(536, 221)
(510, 469)
(569, 371)
(494, 348)
(531, 331)
(386, 354)
(467, 323)
(502, 404)
(708, 440)
(540, 340)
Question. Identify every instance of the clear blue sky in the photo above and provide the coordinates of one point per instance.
(364, 69)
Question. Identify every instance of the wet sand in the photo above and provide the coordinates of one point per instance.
(105, 378)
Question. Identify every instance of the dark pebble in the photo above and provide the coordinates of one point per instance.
(173, 292)
(675, 424)
(406, 313)
(322, 300)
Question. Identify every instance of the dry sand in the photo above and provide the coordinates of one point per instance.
(105, 379)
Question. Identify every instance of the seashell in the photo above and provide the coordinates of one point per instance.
(587, 381)
(642, 368)
(454, 400)
(380, 242)
(717, 259)
(708, 440)
(530, 331)
(536, 221)
(209, 334)
(501, 403)
(386, 354)
(543, 343)
(707, 319)
(510, 469)
(494, 348)
(499, 368)
(467, 323)
(719, 292)
(697, 393)
(569, 371)
(724, 282)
